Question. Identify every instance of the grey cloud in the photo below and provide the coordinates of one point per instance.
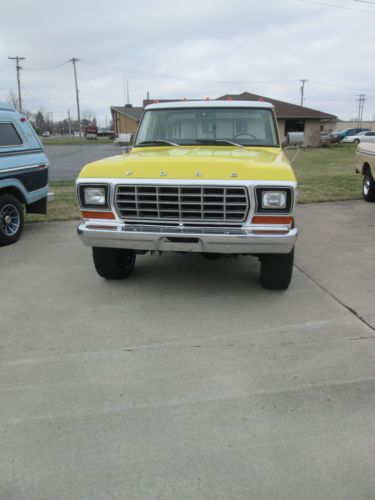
(203, 42)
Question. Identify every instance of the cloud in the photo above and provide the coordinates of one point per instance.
(193, 49)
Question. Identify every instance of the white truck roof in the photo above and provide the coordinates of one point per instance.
(209, 104)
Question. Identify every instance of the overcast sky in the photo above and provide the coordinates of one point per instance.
(199, 48)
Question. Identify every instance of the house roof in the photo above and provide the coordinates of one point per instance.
(134, 112)
(283, 110)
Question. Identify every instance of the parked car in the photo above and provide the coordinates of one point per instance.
(207, 177)
(368, 136)
(46, 133)
(366, 166)
(339, 135)
(23, 173)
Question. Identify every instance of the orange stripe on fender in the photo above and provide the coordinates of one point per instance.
(97, 215)
(272, 219)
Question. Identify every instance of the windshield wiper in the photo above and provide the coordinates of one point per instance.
(219, 141)
(157, 141)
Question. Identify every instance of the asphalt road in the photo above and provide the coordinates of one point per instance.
(67, 161)
(188, 380)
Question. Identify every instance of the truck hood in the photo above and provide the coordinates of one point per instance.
(194, 162)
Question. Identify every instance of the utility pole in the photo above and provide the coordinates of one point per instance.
(123, 89)
(69, 123)
(361, 102)
(74, 60)
(18, 68)
(302, 89)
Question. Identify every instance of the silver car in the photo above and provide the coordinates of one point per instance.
(367, 136)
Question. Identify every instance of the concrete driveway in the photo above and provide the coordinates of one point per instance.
(189, 381)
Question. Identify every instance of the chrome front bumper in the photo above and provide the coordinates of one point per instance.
(263, 239)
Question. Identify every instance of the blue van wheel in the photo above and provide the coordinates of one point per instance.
(11, 219)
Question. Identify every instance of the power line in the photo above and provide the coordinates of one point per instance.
(48, 67)
(325, 84)
(18, 69)
(324, 4)
(244, 82)
(179, 78)
(365, 1)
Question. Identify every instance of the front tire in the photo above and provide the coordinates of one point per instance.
(356, 141)
(276, 270)
(368, 186)
(11, 219)
(113, 263)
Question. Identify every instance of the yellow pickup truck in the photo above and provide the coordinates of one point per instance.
(366, 167)
(202, 176)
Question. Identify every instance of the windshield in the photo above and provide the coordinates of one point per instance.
(202, 126)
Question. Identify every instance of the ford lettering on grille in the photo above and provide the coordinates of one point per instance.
(182, 203)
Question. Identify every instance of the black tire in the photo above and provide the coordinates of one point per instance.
(276, 270)
(113, 263)
(356, 141)
(11, 219)
(368, 189)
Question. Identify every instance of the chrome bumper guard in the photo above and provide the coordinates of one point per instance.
(263, 239)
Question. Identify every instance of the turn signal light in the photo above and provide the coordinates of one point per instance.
(272, 220)
(97, 215)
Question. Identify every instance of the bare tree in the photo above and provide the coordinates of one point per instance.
(88, 115)
(13, 99)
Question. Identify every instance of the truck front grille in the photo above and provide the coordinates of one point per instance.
(199, 204)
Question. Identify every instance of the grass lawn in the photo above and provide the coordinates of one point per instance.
(324, 174)
(327, 174)
(59, 141)
(63, 207)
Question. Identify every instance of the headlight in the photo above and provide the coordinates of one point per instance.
(93, 196)
(274, 199)
(278, 200)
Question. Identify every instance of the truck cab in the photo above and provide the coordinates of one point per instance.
(23, 173)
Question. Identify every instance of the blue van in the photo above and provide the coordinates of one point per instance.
(23, 173)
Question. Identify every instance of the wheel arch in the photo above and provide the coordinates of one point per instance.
(366, 168)
(15, 192)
